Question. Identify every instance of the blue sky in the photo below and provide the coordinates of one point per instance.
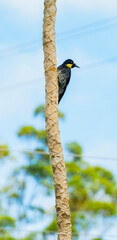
(90, 101)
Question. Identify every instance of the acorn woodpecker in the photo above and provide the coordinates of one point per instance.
(64, 75)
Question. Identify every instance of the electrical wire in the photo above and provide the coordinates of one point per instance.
(30, 151)
(89, 29)
(54, 232)
(76, 32)
(19, 84)
(100, 62)
(17, 48)
(86, 29)
(36, 80)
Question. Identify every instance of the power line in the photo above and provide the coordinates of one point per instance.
(30, 151)
(36, 80)
(79, 32)
(19, 84)
(54, 232)
(91, 28)
(95, 24)
(17, 48)
(20, 46)
(100, 62)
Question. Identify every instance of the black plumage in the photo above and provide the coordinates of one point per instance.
(64, 75)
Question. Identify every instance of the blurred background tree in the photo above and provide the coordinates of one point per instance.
(92, 189)
(6, 221)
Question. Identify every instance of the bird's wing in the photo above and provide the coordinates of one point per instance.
(61, 94)
(62, 87)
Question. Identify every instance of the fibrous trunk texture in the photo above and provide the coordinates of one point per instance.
(52, 129)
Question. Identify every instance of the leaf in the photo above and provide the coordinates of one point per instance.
(74, 148)
(35, 208)
(40, 110)
(27, 131)
(105, 208)
(6, 221)
(4, 151)
(52, 226)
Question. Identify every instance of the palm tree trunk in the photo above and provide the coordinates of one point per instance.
(52, 128)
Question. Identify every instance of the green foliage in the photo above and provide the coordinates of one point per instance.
(85, 183)
(52, 226)
(31, 236)
(6, 221)
(4, 151)
(41, 135)
(61, 115)
(74, 148)
(97, 207)
(97, 238)
(27, 131)
(6, 236)
(38, 170)
(31, 132)
(40, 110)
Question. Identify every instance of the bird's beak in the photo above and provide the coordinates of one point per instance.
(75, 65)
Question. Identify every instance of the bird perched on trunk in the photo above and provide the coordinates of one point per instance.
(64, 75)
